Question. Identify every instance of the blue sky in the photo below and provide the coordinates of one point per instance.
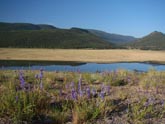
(128, 17)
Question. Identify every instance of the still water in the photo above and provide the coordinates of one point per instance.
(74, 66)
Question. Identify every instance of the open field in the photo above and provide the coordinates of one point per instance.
(100, 56)
(119, 97)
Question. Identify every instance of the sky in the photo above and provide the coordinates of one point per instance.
(127, 17)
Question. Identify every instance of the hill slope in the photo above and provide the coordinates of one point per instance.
(153, 41)
(113, 38)
(23, 26)
(25, 35)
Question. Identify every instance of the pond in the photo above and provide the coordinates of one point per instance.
(77, 66)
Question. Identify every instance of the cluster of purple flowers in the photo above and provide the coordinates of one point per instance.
(21, 78)
(40, 76)
(150, 101)
(162, 102)
(102, 93)
(87, 91)
(76, 91)
(26, 86)
(73, 91)
(93, 91)
(74, 94)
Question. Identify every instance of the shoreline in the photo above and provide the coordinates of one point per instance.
(82, 62)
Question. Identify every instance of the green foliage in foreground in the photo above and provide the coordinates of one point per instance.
(62, 97)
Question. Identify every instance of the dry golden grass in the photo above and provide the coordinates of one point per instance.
(82, 55)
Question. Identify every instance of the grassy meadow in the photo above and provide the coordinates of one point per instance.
(101, 56)
(39, 97)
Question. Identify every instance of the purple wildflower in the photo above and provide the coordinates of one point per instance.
(146, 104)
(81, 93)
(21, 78)
(150, 101)
(88, 92)
(102, 95)
(74, 94)
(93, 91)
(41, 74)
(162, 102)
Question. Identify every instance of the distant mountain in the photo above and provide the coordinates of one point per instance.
(25, 35)
(23, 26)
(46, 27)
(113, 38)
(153, 41)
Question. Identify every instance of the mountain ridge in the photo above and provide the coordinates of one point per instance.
(153, 41)
(111, 37)
(28, 35)
(4, 26)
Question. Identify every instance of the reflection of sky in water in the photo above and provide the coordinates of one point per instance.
(91, 67)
